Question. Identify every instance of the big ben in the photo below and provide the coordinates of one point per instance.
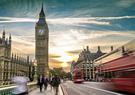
(41, 47)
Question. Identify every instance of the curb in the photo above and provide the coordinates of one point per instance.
(64, 92)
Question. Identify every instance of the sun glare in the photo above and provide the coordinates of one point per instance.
(64, 57)
(64, 64)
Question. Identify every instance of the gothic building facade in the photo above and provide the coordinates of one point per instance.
(86, 62)
(11, 64)
(41, 49)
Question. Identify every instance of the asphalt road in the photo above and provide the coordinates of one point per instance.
(88, 88)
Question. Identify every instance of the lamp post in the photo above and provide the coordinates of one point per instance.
(34, 69)
(93, 70)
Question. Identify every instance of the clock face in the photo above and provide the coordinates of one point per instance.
(41, 32)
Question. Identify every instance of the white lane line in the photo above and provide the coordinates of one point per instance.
(74, 89)
(82, 91)
(102, 90)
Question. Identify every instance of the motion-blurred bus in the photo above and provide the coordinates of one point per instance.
(118, 68)
(78, 76)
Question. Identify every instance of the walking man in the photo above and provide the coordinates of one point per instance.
(45, 82)
(40, 82)
(55, 84)
(50, 82)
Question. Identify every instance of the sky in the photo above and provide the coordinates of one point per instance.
(73, 25)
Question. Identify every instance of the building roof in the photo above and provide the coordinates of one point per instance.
(90, 56)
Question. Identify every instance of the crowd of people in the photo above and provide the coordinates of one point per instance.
(43, 81)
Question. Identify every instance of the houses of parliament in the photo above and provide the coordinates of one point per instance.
(12, 64)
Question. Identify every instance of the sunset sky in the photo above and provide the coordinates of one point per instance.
(73, 24)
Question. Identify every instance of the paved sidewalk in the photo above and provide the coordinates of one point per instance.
(47, 92)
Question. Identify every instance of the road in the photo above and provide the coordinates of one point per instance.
(88, 88)
(49, 91)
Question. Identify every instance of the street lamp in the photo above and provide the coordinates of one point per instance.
(34, 69)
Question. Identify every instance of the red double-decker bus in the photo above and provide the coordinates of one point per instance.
(78, 76)
(118, 67)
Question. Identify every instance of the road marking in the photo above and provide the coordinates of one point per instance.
(102, 90)
(94, 94)
(79, 89)
(73, 88)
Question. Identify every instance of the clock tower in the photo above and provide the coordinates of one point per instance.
(41, 47)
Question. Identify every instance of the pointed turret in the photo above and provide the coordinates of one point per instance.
(12, 56)
(42, 14)
(6, 42)
(10, 39)
(99, 50)
(0, 40)
(111, 48)
(123, 49)
(3, 36)
(87, 48)
(42, 19)
(84, 50)
(28, 59)
(15, 57)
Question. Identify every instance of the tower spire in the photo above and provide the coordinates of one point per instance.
(42, 14)
(10, 39)
(3, 36)
(10, 36)
(99, 50)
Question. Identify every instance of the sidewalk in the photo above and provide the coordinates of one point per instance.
(47, 92)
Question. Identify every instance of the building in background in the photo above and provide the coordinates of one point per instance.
(86, 62)
(11, 64)
(73, 64)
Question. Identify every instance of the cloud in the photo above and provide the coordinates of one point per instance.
(74, 52)
(114, 18)
(54, 56)
(74, 21)
(55, 61)
(73, 40)
(68, 21)
(13, 19)
(125, 3)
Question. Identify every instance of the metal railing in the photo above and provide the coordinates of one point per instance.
(8, 90)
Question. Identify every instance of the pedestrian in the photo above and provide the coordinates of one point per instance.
(21, 85)
(40, 82)
(45, 82)
(55, 84)
(50, 82)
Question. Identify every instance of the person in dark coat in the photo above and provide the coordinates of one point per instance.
(45, 82)
(50, 82)
(55, 84)
(40, 82)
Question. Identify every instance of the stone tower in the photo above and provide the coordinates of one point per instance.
(5, 53)
(41, 47)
